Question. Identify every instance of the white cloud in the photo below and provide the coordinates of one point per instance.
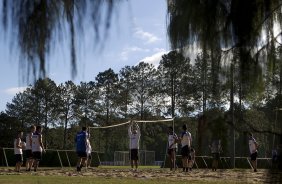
(155, 58)
(145, 36)
(14, 91)
(126, 51)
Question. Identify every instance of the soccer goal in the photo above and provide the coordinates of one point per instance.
(121, 158)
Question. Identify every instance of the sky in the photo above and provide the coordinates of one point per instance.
(138, 33)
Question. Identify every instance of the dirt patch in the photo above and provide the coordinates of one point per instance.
(236, 175)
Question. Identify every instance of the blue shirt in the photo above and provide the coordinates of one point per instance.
(80, 140)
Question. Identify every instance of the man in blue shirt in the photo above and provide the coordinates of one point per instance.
(81, 143)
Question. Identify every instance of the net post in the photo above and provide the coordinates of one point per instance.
(174, 159)
(68, 158)
(60, 158)
(5, 157)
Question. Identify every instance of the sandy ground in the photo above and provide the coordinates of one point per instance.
(236, 175)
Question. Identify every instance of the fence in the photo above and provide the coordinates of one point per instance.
(145, 157)
(224, 162)
(52, 158)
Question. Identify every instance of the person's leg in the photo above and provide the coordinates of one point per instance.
(254, 163)
(31, 162)
(83, 162)
(78, 163)
(36, 163)
(136, 164)
(172, 159)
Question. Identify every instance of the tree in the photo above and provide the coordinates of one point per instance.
(86, 103)
(174, 67)
(44, 96)
(107, 82)
(126, 85)
(65, 105)
(37, 21)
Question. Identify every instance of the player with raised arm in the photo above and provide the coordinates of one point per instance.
(37, 146)
(81, 144)
(88, 151)
(172, 146)
(18, 151)
(253, 146)
(134, 138)
(28, 149)
(186, 141)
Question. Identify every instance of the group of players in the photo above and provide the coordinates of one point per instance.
(33, 147)
(187, 151)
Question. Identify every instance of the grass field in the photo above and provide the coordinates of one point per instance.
(150, 175)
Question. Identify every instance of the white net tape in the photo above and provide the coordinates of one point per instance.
(128, 122)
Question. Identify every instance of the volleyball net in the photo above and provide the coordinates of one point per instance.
(153, 141)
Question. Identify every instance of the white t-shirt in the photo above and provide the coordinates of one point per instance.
(134, 139)
(186, 139)
(36, 147)
(252, 145)
(17, 150)
(171, 141)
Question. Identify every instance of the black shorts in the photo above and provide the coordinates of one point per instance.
(18, 158)
(28, 154)
(81, 154)
(254, 156)
(170, 151)
(185, 151)
(134, 154)
(215, 156)
(37, 155)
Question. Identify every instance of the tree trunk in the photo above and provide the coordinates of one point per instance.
(232, 115)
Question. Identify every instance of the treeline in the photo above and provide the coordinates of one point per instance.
(210, 98)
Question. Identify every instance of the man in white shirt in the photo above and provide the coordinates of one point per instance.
(18, 151)
(28, 149)
(172, 140)
(253, 151)
(134, 138)
(37, 146)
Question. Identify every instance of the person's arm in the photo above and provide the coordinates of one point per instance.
(138, 130)
(18, 145)
(41, 143)
(129, 131)
(30, 140)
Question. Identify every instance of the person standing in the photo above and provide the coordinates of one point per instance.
(37, 147)
(28, 149)
(172, 146)
(134, 138)
(18, 151)
(81, 144)
(88, 151)
(253, 146)
(186, 142)
(215, 148)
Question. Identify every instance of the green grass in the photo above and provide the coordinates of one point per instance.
(27, 179)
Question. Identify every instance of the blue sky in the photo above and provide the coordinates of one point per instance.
(138, 33)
